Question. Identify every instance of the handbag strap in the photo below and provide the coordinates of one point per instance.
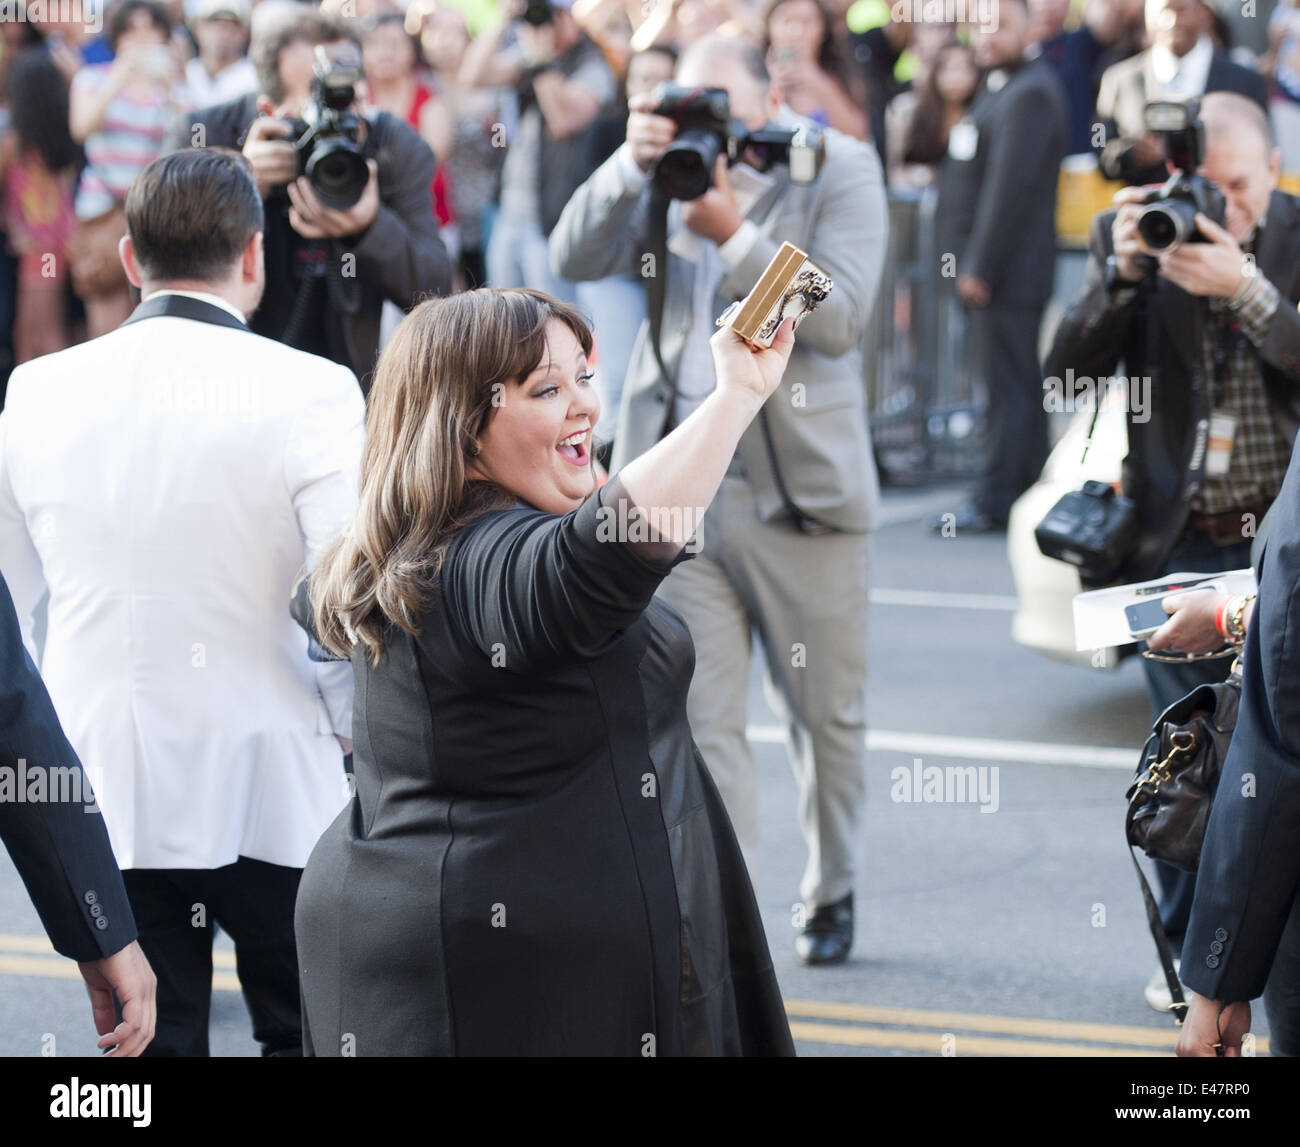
(1178, 1004)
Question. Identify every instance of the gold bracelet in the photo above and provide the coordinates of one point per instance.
(1237, 619)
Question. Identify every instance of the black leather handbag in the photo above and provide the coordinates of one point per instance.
(1170, 798)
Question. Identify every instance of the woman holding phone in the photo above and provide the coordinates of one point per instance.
(536, 861)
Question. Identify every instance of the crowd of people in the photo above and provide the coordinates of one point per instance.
(451, 222)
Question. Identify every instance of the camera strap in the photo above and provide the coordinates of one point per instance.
(656, 291)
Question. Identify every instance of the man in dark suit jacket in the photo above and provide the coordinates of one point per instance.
(1244, 934)
(1239, 290)
(328, 271)
(1181, 63)
(997, 218)
(58, 843)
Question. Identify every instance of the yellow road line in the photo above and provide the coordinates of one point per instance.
(1006, 1025)
(23, 955)
(40, 945)
(963, 1046)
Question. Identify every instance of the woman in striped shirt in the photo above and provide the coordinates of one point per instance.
(120, 113)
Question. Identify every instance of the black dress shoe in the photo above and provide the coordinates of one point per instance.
(827, 935)
(969, 519)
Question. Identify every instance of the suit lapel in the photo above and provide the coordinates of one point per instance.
(184, 307)
(1279, 245)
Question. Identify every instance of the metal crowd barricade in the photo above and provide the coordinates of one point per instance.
(924, 404)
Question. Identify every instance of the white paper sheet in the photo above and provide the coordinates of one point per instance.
(1099, 620)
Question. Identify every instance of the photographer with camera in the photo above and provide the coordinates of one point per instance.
(561, 82)
(1183, 62)
(349, 218)
(785, 547)
(1212, 329)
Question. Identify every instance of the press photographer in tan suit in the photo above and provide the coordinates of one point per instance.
(784, 550)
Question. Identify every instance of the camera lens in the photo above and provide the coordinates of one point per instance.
(1164, 225)
(338, 173)
(685, 168)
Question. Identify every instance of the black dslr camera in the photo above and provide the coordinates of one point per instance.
(706, 130)
(1093, 529)
(327, 137)
(1169, 219)
(538, 13)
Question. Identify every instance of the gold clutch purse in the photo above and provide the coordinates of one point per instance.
(792, 286)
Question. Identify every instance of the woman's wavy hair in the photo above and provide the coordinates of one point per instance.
(436, 386)
(830, 53)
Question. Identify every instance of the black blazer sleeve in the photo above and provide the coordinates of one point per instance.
(531, 590)
(1250, 863)
(60, 847)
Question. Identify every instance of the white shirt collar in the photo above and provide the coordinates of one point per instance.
(202, 296)
(1187, 74)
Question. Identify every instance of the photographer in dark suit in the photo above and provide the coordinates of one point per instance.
(60, 849)
(1198, 509)
(997, 219)
(328, 270)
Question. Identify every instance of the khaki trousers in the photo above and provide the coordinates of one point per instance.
(806, 598)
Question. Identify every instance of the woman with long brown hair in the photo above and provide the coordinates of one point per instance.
(536, 861)
(806, 59)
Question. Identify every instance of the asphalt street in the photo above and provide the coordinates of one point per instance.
(1013, 932)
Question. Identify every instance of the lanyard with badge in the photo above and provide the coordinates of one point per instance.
(1226, 338)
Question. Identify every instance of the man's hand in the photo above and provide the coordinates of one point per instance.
(1124, 237)
(647, 134)
(1190, 628)
(268, 150)
(1206, 1019)
(127, 973)
(715, 214)
(973, 291)
(1216, 269)
(313, 221)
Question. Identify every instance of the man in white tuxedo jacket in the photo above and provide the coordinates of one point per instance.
(168, 483)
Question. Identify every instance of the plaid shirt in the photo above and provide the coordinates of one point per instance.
(1260, 452)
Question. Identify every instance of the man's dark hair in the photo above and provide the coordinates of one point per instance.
(120, 20)
(190, 214)
(284, 25)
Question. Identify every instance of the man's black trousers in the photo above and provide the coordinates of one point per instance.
(176, 910)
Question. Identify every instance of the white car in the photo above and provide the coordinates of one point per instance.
(1045, 587)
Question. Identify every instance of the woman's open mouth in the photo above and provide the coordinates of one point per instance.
(573, 449)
